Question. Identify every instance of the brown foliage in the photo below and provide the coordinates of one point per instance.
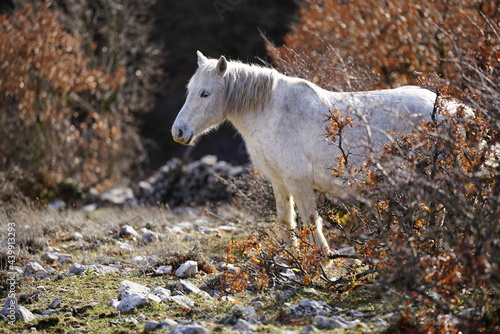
(334, 39)
(427, 214)
(61, 115)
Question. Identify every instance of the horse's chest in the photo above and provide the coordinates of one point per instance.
(263, 157)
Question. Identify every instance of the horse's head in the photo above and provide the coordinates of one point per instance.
(204, 106)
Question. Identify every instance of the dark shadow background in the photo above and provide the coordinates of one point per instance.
(232, 28)
(215, 27)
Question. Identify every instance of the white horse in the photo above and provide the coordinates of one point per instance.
(283, 120)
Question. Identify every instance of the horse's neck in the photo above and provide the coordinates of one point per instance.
(289, 95)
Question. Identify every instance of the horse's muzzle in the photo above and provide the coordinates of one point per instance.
(182, 135)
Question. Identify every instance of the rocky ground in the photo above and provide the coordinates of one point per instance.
(154, 269)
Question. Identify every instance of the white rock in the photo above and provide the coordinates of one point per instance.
(334, 322)
(55, 303)
(50, 257)
(130, 302)
(183, 301)
(12, 311)
(189, 329)
(24, 314)
(308, 329)
(118, 195)
(162, 293)
(189, 287)
(64, 258)
(127, 230)
(244, 326)
(125, 247)
(167, 323)
(35, 270)
(151, 326)
(114, 303)
(163, 270)
(149, 236)
(128, 288)
(142, 260)
(187, 269)
(76, 268)
(308, 307)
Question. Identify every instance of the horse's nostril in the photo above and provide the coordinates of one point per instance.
(179, 133)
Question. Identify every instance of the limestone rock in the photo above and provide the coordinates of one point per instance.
(187, 269)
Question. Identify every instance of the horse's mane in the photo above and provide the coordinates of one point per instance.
(247, 87)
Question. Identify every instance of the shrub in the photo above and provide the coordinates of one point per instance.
(427, 213)
(65, 115)
(335, 39)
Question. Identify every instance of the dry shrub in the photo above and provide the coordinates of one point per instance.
(427, 214)
(65, 117)
(336, 40)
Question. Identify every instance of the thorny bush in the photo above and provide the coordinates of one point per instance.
(426, 215)
(65, 116)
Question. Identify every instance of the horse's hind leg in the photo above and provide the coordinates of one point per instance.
(285, 212)
(306, 203)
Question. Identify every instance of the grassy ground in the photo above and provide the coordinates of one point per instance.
(85, 299)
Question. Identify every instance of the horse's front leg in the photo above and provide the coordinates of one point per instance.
(306, 203)
(285, 212)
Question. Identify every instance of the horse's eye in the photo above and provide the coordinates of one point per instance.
(205, 94)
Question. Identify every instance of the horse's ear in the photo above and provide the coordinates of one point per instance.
(221, 66)
(201, 58)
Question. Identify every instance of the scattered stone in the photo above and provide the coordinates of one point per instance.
(191, 288)
(76, 268)
(35, 270)
(183, 301)
(334, 322)
(151, 326)
(189, 329)
(308, 329)
(53, 257)
(125, 247)
(50, 257)
(357, 314)
(130, 302)
(308, 307)
(118, 196)
(133, 295)
(163, 293)
(57, 205)
(24, 314)
(128, 231)
(149, 236)
(163, 270)
(166, 323)
(130, 320)
(176, 183)
(128, 288)
(55, 303)
(142, 260)
(64, 258)
(187, 269)
(12, 311)
(244, 327)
